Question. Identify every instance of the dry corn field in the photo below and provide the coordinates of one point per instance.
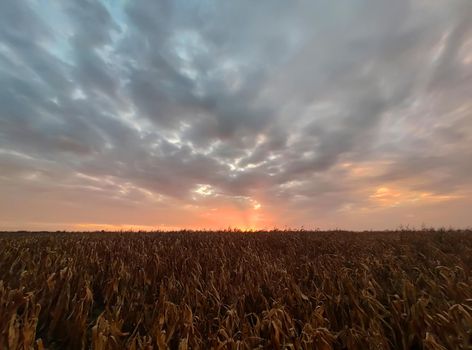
(229, 290)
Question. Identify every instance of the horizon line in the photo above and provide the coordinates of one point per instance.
(239, 230)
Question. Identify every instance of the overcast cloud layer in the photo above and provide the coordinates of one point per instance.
(209, 114)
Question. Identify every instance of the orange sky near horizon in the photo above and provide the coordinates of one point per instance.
(413, 209)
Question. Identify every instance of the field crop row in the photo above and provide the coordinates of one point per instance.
(292, 290)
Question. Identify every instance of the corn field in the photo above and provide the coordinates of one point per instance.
(234, 290)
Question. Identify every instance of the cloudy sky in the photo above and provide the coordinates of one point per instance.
(252, 114)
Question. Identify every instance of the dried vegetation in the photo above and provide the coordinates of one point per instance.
(291, 290)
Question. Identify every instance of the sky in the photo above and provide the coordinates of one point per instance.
(247, 114)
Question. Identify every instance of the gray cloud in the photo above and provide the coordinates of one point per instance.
(303, 107)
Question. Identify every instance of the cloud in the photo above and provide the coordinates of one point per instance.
(306, 109)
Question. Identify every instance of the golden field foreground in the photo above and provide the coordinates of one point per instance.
(230, 290)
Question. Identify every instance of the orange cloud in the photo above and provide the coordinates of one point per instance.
(394, 197)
